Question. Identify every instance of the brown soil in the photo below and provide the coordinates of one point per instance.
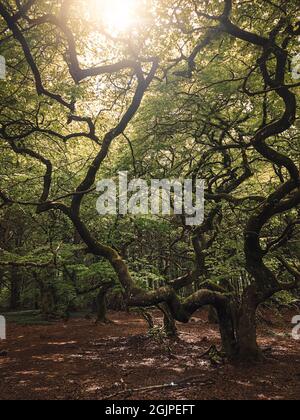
(79, 360)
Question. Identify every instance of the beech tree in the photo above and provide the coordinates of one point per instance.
(63, 104)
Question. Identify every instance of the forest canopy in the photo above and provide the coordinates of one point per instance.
(161, 89)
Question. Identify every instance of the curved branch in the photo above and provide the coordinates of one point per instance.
(89, 180)
(37, 156)
(18, 35)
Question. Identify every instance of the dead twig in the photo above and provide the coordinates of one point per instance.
(179, 384)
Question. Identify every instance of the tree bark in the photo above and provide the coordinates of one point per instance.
(212, 316)
(248, 349)
(101, 304)
(169, 322)
(15, 292)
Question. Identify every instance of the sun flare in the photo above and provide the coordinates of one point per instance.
(116, 15)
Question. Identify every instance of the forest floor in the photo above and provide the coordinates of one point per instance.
(78, 360)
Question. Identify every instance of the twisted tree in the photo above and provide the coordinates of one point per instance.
(128, 72)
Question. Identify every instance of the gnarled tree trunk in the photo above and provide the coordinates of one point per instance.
(169, 322)
(246, 328)
(15, 289)
(101, 304)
